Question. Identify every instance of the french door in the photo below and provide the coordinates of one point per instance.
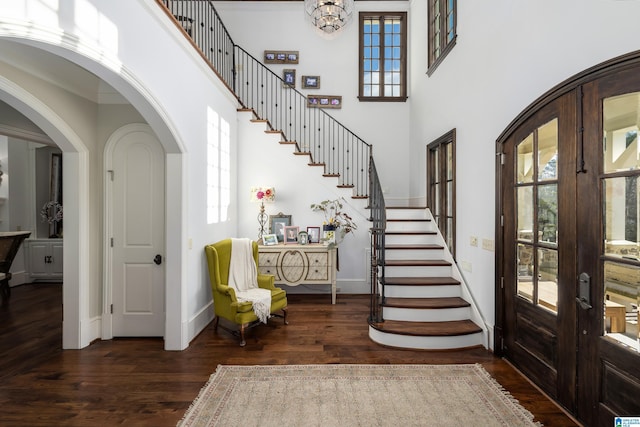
(441, 185)
(569, 262)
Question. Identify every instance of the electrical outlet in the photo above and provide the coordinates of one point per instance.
(466, 266)
(488, 244)
(473, 241)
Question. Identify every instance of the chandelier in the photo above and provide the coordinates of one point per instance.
(329, 15)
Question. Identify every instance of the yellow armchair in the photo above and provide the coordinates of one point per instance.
(225, 302)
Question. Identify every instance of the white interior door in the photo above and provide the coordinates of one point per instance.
(138, 222)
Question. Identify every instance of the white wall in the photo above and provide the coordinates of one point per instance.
(507, 54)
(171, 88)
(263, 161)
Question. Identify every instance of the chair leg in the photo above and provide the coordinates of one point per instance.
(284, 316)
(242, 341)
(215, 323)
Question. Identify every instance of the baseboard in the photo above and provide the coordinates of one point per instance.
(18, 278)
(200, 321)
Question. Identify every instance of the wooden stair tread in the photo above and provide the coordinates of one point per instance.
(416, 263)
(427, 329)
(408, 220)
(401, 246)
(420, 281)
(406, 207)
(426, 303)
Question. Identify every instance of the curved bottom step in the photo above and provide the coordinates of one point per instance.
(427, 335)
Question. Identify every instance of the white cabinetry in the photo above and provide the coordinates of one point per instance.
(44, 259)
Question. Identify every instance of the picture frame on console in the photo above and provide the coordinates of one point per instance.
(291, 234)
(314, 234)
(277, 224)
(269, 240)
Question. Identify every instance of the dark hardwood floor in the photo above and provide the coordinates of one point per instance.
(134, 382)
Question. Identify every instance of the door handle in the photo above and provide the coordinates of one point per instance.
(584, 295)
(158, 259)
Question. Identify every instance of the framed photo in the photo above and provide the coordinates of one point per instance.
(324, 101)
(291, 234)
(269, 239)
(310, 82)
(277, 224)
(281, 57)
(289, 77)
(314, 234)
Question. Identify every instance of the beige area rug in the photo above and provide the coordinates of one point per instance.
(354, 395)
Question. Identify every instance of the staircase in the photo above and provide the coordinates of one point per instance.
(424, 302)
(421, 301)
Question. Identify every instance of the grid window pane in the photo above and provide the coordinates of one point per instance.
(382, 49)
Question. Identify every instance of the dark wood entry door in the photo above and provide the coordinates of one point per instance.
(569, 262)
(538, 251)
(608, 186)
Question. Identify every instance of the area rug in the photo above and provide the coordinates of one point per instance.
(354, 395)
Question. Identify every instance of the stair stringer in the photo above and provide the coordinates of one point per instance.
(466, 294)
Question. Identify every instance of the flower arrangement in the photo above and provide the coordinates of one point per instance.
(51, 212)
(335, 217)
(263, 194)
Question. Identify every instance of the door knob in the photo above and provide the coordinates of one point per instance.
(158, 259)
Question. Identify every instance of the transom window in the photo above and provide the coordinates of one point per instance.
(383, 53)
(442, 30)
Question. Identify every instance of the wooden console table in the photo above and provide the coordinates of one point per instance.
(293, 265)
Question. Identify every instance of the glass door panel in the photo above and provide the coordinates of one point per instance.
(537, 216)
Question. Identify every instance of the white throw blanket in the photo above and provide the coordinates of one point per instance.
(243, 278)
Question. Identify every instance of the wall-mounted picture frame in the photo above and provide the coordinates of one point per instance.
(269, 240)
(314, 234)
(310, 82)
(289, 78)
(277, 224)
(324, 101)
(281, 57)
(291, 234)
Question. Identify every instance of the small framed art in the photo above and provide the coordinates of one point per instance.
(310, 82)
(281, 57)
(269, 239)
(289, 78)
(324, 101)
(291, 234)
(278, 223)
(314, 234)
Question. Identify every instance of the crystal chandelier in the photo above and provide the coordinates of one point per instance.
(329, 15)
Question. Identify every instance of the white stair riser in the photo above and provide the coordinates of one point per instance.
(400, 254)
(399, 291)
(406, 214)
(425, 343)
(418, 271)
(410, 239)
(410, 226)
(426, 315)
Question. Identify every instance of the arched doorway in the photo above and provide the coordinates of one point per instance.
(83, 244)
